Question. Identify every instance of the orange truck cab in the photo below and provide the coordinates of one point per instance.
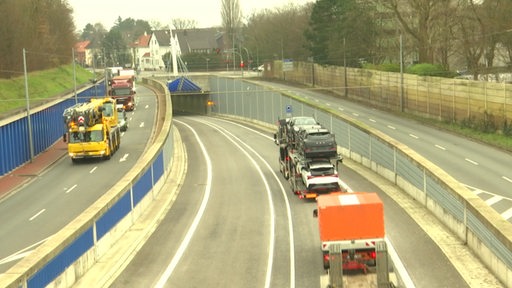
(355, 222)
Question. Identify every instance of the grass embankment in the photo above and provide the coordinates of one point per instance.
(43, 86)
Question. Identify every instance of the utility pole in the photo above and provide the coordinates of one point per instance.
(345, 66)
(401, 75)
(29, 124)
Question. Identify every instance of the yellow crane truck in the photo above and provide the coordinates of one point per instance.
(92, 129)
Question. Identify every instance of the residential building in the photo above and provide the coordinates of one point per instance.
(83, 55)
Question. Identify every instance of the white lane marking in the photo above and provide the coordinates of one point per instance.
(191, 230)
(141, 124)
(478, 191)
(391, 127)
(507, 179)
(285, 197)
(93, 169)
(440, 147)
(21, 253)
(471, 161)
(414, 136)
(371, 120)
(399, 266)
(71, 189)
(341, 109)
(124, 157)
(507, 214)
(355, 114)
(37, 214)
(328, 104)
(147, 106)
(494, 199)
(270, 259)
(15, 257)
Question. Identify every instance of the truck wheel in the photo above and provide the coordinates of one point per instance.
(108, 152)
(74, 160)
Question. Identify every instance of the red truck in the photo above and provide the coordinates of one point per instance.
(355, 222)
(122, 88)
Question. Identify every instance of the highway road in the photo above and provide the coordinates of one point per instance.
(235, 222)
(246, 229)
(49, 202)
(483, 169)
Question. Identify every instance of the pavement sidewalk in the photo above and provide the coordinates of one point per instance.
(25, 173)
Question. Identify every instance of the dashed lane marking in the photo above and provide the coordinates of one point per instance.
(440, 147)
(71, 189)
(37, 214)
(471, 161)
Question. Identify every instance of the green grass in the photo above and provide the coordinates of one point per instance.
(43, 86)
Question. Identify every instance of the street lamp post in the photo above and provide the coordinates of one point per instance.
(234, 52)
(248, 57)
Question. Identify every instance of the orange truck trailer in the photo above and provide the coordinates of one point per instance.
(355, 222)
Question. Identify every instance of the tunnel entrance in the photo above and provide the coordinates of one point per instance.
(188, 98)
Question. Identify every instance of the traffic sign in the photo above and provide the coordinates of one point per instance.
(289, 109)
(287, 65)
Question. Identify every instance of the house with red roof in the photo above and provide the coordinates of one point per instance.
(83, 55)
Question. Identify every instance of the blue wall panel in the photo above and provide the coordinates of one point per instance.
(58, 264)
(122, 207)
(158, 167)
(142, 187)
(47, 127)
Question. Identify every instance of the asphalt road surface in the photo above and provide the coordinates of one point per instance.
(51, 200)
(235, 222)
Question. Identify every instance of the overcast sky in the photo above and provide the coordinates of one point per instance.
(206, 13)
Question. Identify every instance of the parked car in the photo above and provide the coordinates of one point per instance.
(122, 119)
(259, 68)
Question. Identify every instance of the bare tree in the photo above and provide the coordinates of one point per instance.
(44, 28)
(180, 24)
(417, 19)
(231, 20)
(268, 34)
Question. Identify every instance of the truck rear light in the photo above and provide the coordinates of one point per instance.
(373, 254)
(326, 257)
